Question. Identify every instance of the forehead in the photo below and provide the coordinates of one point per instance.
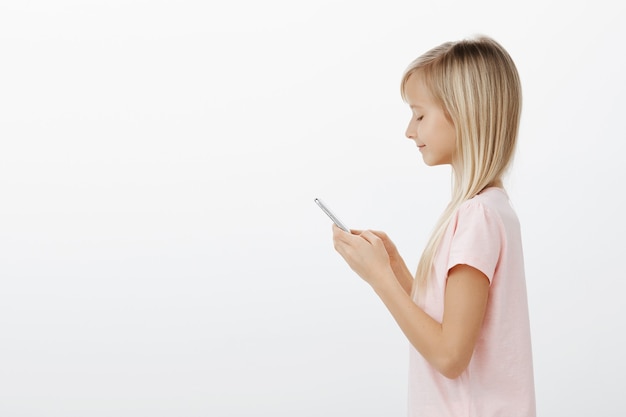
(416, 93)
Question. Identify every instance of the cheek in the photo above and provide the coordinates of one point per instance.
(452, 136)
(422, 128)
(431, 131)
(447, 133)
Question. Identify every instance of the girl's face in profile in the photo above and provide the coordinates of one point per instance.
(429, 127)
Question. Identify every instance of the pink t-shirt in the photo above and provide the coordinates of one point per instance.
(498, 382)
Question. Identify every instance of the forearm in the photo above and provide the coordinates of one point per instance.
(403, 276)
(447, 346)
(422, 331)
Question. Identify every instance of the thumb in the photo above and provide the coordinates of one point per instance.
(370, 237)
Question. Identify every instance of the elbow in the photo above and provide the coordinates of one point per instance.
(452, 366)
(452, 372)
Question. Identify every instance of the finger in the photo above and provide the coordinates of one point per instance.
(370, 237)
(380, 234)
(338, 242)
(342, 249)
(340, 235)
(338, 231)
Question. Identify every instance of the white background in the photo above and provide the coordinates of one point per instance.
(160, 251)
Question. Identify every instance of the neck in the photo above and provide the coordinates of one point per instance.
(495, 183)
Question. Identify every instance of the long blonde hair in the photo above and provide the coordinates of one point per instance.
(477, 84)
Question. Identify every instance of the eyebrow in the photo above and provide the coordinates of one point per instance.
(415, 106)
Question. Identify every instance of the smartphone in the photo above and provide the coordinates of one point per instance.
(332, 216)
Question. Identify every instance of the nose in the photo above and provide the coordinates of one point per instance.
(411, 131)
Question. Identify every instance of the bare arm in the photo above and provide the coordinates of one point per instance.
(404, 276)
(447, 346)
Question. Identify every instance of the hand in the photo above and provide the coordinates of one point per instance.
(365, 253)
(397, 263)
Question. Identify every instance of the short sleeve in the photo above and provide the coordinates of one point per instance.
(477, 240)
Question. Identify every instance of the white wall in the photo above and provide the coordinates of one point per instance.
(160, 251)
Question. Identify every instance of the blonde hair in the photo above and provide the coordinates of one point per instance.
(477, 84)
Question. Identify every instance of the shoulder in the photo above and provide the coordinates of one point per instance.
(488, 213)
(478, 232)
(492, 203)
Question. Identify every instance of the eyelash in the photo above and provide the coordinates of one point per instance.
(419, 118)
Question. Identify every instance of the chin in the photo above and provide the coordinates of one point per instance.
(435, 162)
(431, 163)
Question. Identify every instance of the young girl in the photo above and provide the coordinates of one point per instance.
(465, 313)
